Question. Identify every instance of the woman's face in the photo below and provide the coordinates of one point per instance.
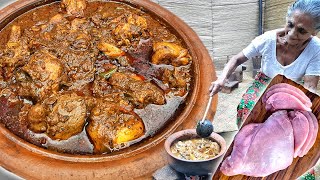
(299, 28)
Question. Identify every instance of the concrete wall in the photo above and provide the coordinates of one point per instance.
(227, 26)
(275, 12)
(224, 26)
(235, 24)
(197, 14)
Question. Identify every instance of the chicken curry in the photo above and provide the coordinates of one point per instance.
(90, 77)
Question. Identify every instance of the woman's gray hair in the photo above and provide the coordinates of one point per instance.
(310, 7)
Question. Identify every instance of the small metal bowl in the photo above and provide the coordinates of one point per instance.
(193, 167)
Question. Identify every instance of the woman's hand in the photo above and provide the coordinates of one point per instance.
(234, 62)
(216, 86)
(311, 82)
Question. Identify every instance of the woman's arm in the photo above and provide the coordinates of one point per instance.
(233, 63)
(311, 82)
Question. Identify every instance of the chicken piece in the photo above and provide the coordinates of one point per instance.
(75, 47)
(45, 71)
(67, 117)
(80, 24)
(14, 36)
(43, 67)
(177, 79)
(3, 83)
(170, 53)
(37, 118)
(138, 20)
(110, 50)
(120, 99)
(80, 69)
(25, 87)
(79, 66)
(111, 125)
(101, 87)
(142, 92)
(16, 50)
(80, 41)
(129, 27)
(133, 128)
(58, 24)
(58, 18)
(45, 34)
(174, 78)
(78, 37)
(74, 7)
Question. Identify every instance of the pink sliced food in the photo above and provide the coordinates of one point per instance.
(316, 129)
(290, 90)
(300, 125)
(282, 100)
(286, 86)
(271, 148)
(313, 136)
(232, 165)
(310, 135)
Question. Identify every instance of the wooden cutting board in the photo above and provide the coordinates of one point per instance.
(299, 165)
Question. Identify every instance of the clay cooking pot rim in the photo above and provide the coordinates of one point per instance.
(191, 134)
(31, 4)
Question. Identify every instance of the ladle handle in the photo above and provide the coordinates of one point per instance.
(207, 108)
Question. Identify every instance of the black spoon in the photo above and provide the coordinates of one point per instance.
(204, 127)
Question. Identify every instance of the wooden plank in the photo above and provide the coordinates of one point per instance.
(299, 165)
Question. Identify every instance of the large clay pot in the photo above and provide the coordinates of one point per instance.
(136, 162)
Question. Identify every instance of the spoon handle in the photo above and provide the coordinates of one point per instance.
(207, 108)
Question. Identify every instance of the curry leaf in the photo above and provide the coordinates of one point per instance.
(108, 74)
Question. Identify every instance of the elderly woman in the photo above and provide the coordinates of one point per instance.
(293, 51)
